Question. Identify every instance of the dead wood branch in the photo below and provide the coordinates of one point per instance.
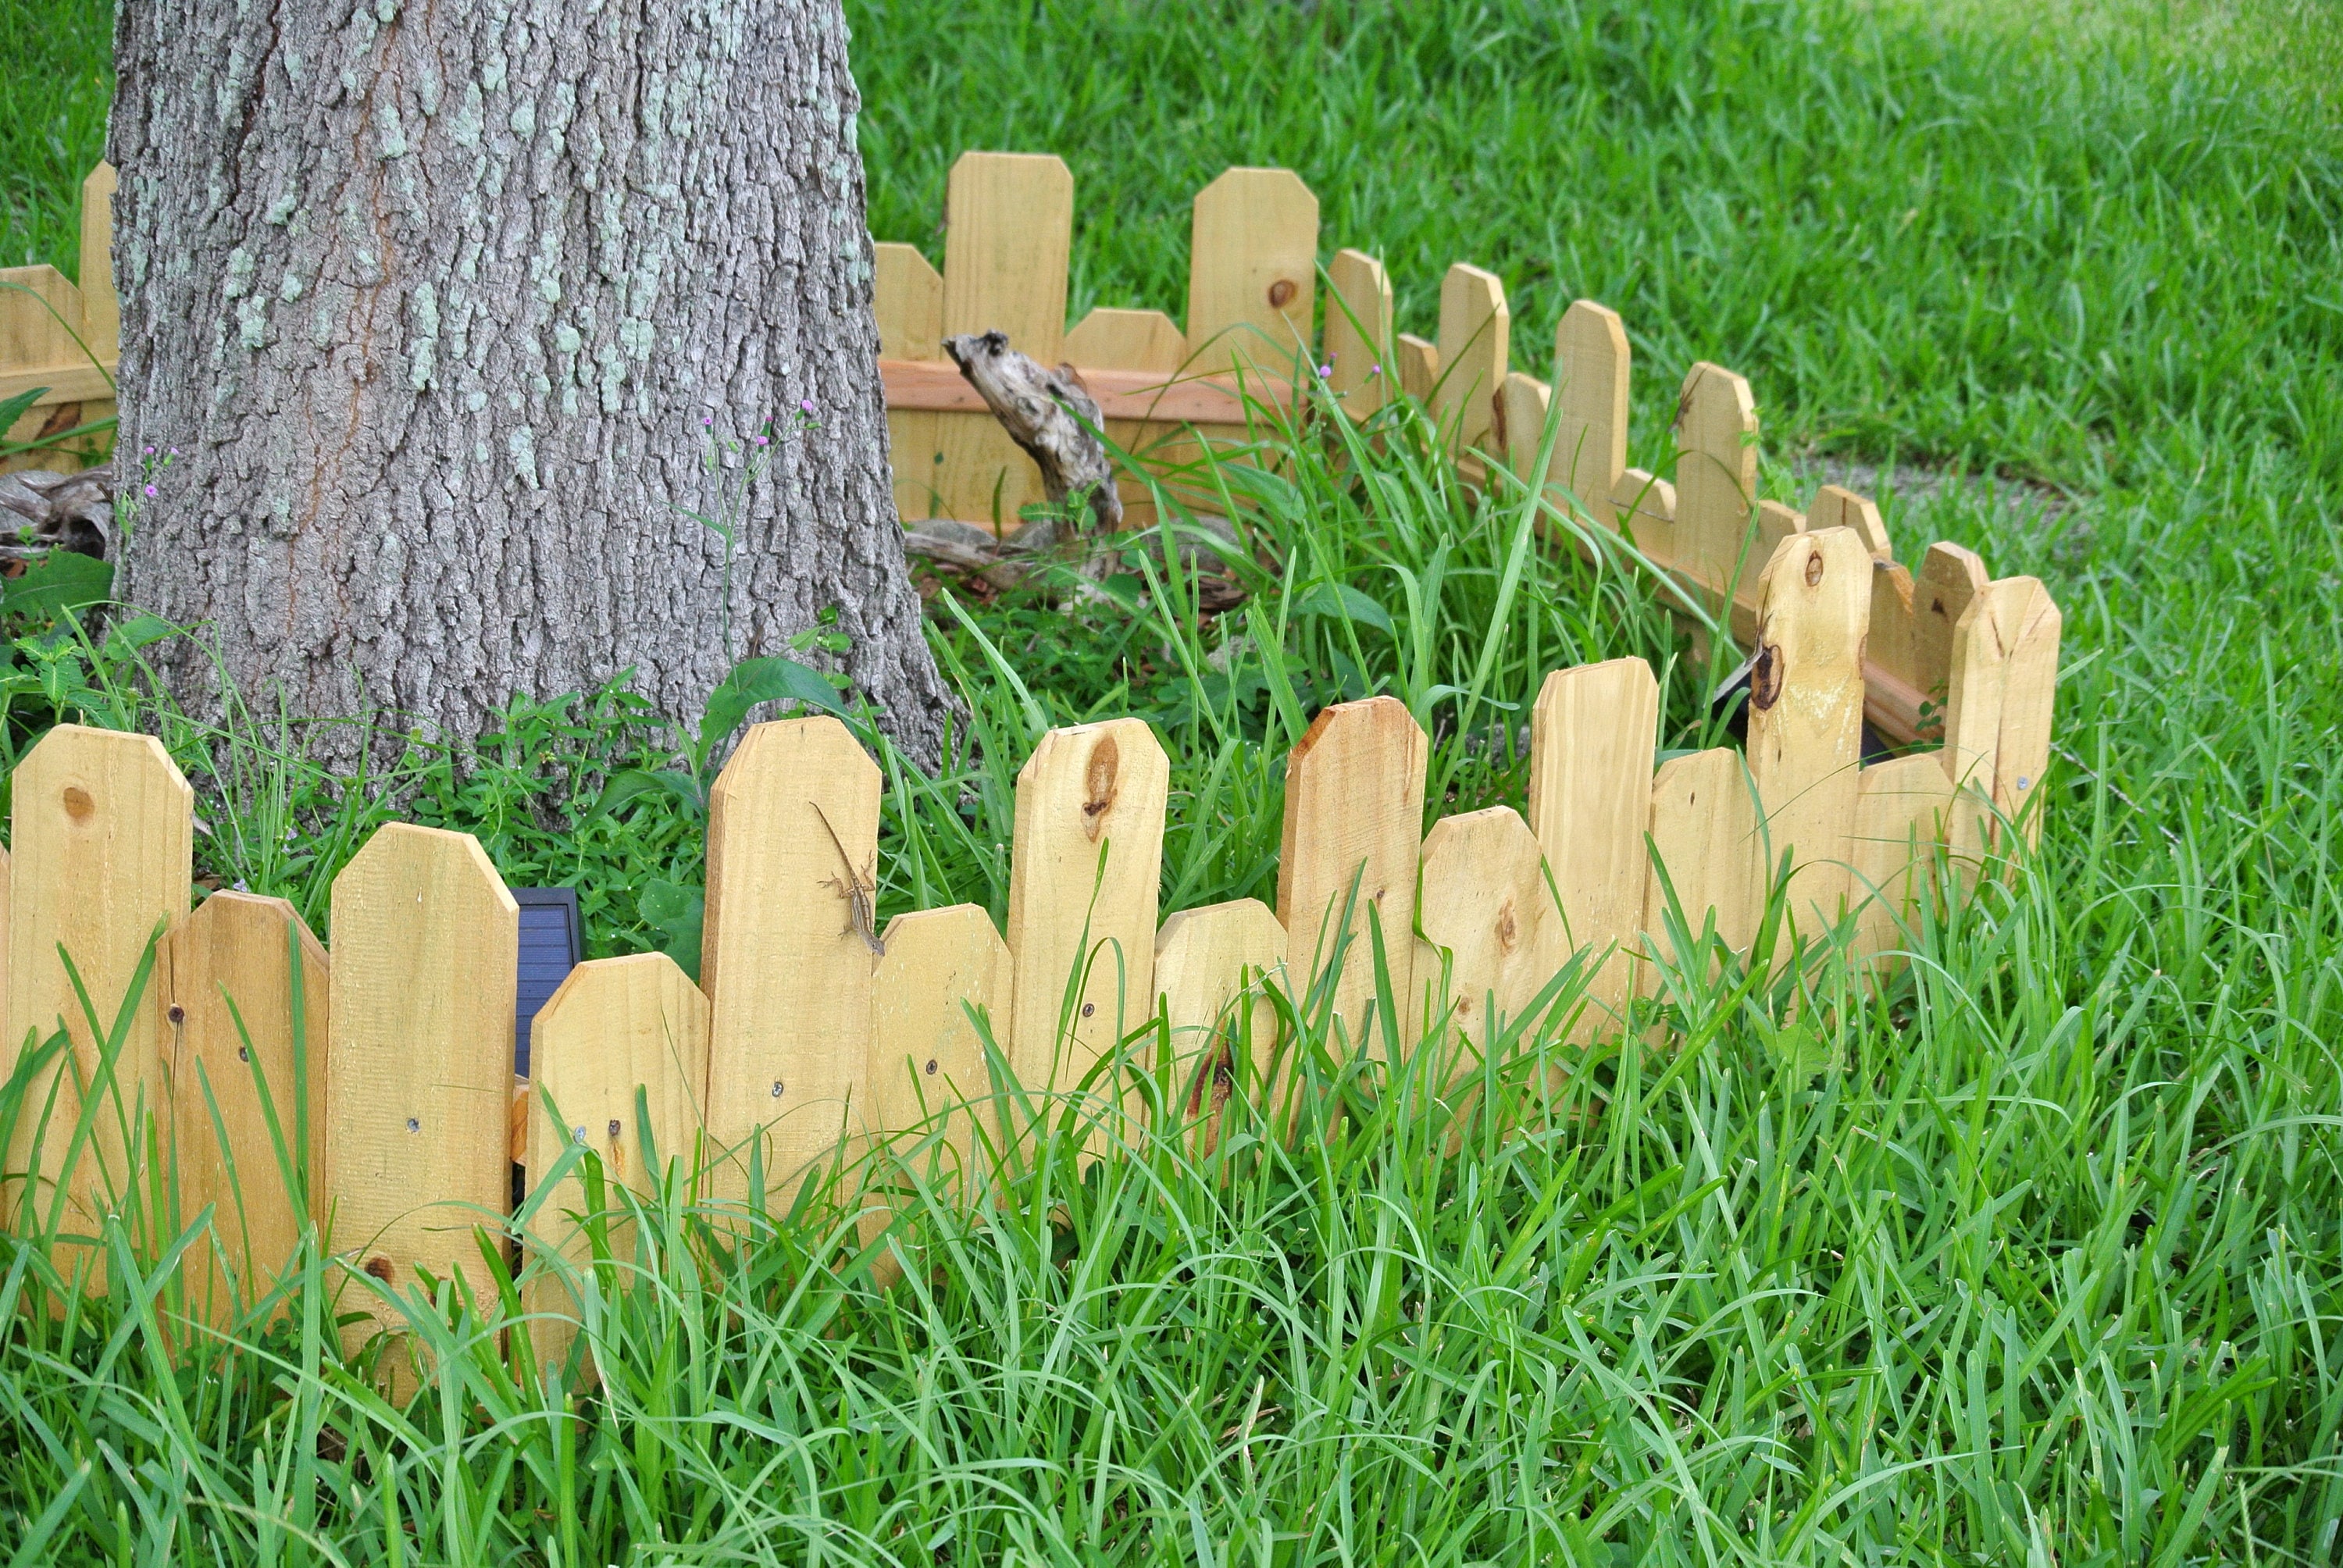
(1052, 416)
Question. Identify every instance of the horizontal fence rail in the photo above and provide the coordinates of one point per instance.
(812, 1031)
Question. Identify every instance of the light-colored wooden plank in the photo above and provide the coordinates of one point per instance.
(1214, 967)
(1704, 837)
(1646, 508)
(1998, 709)
(1419, 366)
(789, 957)
(1106, 345)
(1716, 478)
(1892, 698)
(1949, 580)
(929, 1074)
(1110, 339)
(1487, 914)
(614, 1026)
(1010, 223)
(1901, 809)
(102, 827)
(1476, 336)
(240, 949)
(1087, 863)
(908, 301)
(1805, 714)
(101, 312)
(1359, 332)
(37, 326)
(1253, 271)
(419, 1141)
(1353, 831)
(1520, 426)
(1591, 363)
(1592, 736)
(1837, 507)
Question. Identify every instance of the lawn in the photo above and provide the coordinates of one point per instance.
(2035, 1256)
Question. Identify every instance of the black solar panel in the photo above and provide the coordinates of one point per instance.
(551, 945)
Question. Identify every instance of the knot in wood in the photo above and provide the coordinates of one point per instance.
(1509, 936)
(1282, 293)
(1098, 786)
(78, 805)
(1765, 678)
(380, 1269)
(1814, 569)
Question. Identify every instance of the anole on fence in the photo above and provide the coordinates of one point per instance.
(858, 894)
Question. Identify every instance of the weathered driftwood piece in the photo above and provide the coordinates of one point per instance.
(1052, 416)
(64, 511)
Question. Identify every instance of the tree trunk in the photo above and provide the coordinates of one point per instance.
(446, 306)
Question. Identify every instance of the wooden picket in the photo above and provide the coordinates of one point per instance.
(104, 851)
(226, 976)
(789, 953)
(419, 1078)
(812, 1033)
(615, 1029)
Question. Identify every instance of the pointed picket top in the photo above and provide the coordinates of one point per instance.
(1949, 579)
(1806, 713)
(1837, 507)
(930, 1070)
(1594, 733)
(103, 837)
(1591, 363)
(1716, 477)
(1253, 271)
(1487, 914)
(419, 1143)
(1997, 707)
(1475, 335)
(1359, 371)
(1353, 829)
(240, 949)
(615, 1029)
(1520, 426)
(1116, 339)
(790, 950)
(1213, 969)
(1087, 863)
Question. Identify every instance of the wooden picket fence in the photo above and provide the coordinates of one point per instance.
(1253, 313)
(38, 328)
(808, 1027)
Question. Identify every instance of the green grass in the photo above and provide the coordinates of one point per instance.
(2035, 1257)
(53, 101)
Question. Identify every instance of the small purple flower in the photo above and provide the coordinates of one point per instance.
(1374, 370)
(150, 492)
(1325, 372)
(150, 451)
(763, 439)
(706, 420)
(174, 451)
(805, 405)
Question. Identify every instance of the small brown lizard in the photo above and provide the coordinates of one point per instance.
(861, 918)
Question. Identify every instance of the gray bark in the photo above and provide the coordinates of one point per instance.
(443, 304)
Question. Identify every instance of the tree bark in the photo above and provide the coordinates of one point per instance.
(447, 307)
